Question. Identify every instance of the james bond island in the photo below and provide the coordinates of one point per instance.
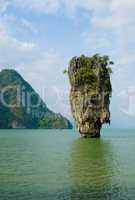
(90, 93)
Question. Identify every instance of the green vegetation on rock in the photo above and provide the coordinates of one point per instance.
(57, 120)
(86, 70)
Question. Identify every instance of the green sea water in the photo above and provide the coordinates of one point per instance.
(59, 165)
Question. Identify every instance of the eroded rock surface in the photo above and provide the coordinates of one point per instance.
(90, 93)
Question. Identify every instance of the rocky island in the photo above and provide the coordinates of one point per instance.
(90, 93)
(21, 107)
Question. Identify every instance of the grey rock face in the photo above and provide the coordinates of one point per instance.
(90, 93)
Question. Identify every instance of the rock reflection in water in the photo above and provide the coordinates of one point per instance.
(93, 169)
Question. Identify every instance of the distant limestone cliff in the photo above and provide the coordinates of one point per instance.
(90, 93)
(22, 107)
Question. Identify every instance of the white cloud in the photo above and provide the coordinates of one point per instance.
(112, 30)
(4, 5)
(53, 6)
(28, 25)
(47, 6)
(13, 51)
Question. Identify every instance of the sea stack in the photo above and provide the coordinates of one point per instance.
(90, 93)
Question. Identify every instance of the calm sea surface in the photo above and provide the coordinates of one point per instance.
(58, 165)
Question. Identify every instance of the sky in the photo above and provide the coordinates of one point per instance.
(39, 37)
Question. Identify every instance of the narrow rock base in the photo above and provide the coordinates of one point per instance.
(90, 135)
